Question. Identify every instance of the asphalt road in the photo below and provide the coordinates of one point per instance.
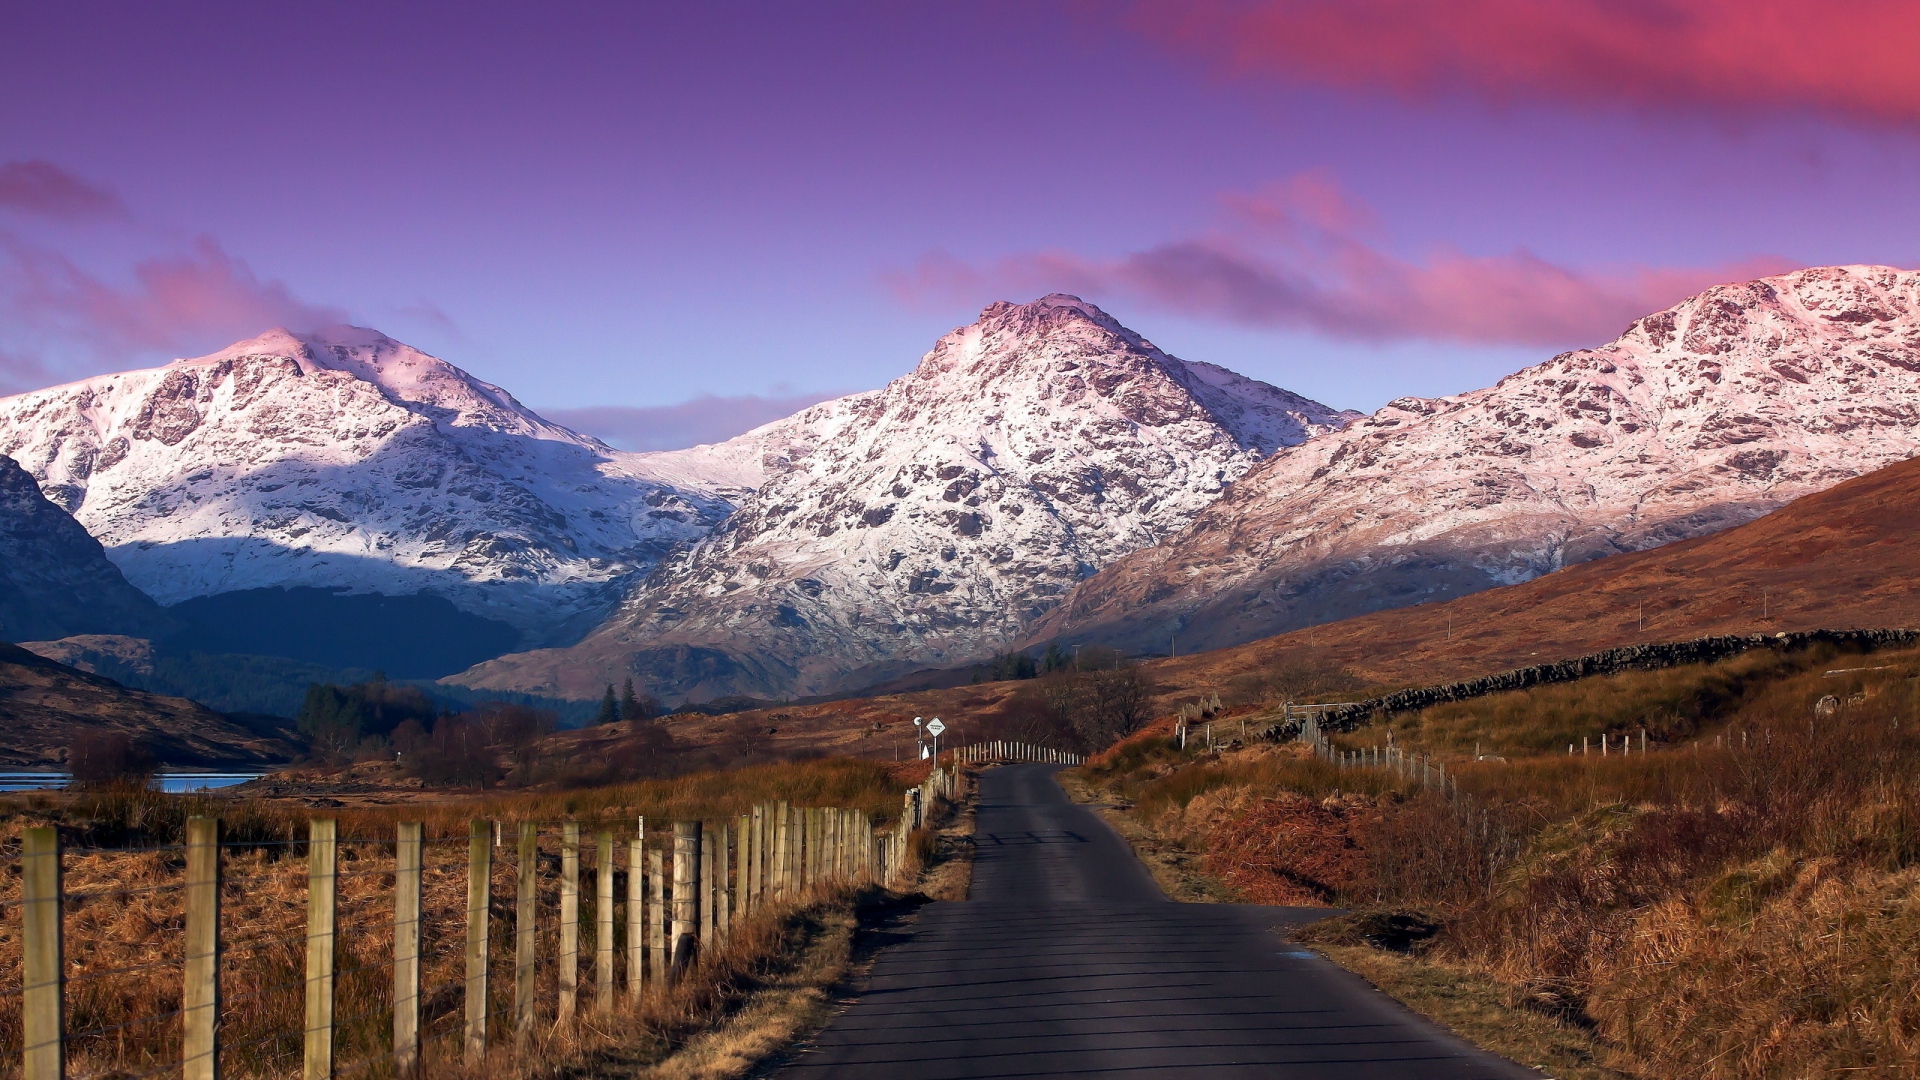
(1066, 960)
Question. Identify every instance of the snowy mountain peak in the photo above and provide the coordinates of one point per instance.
(1705, 415)
(345, 458)
(933, 519)
(409, 377)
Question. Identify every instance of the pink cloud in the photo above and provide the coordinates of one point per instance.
(180, 304)
(1853, 58)
(1297, 255)
(47, 190)
(705, 419)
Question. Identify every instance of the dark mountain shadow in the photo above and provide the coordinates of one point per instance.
(409, 637)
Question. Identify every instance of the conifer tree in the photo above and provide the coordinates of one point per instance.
(629, 704)
(609, 709)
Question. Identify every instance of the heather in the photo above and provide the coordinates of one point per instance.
(1741, 900)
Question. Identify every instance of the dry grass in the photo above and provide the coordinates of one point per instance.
(1476, 1008)
(1741, 908)
(123, 923)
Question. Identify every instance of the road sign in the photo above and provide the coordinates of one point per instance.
(935, 727)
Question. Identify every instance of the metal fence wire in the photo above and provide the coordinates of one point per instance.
(384, 956)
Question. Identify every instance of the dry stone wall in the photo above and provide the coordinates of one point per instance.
(1628, 658)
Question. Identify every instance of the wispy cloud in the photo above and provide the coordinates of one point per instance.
(705, 419)
(198, 299)
(1852, 59)
(1300, 254)
(44, 189)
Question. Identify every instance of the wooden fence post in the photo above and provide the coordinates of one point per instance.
(657, 916)
(43, 974)
(686, 894)
(756, 855)
(708, 909)
(722, 875)
(479, 898)
(526, 902)
(637, 911)
(322, 882)
(569, 919)
(742, 842)
(810, 855)
(603, 921)
(200, 979)
(836, 820)
(408, 850)
(782, 866)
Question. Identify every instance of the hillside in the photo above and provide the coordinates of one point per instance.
(930, 522)
(1847, 557)
(1729, 405)
(55, 579)
(44, 705)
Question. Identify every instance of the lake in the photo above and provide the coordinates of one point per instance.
(165, 780)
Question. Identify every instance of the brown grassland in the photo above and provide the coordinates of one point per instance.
(124, 919)
(1742, 901)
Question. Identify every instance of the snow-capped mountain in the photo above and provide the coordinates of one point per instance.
(347, 459)
(54, 578)
(1699, 417)
(933, 520)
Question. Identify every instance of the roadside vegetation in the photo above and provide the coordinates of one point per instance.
(1742, 900)
(773, 979)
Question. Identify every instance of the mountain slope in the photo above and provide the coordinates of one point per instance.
(1700, 417)
(347, 459)
(1844, 558)
(931, 521)
(55, 579)
(44, 705)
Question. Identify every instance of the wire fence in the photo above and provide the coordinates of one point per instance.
(389, 956)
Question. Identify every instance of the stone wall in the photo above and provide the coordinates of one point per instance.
(1628, 658)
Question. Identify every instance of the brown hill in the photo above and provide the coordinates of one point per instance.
(1847, 557)
(44, 704)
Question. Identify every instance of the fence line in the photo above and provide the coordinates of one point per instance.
(998, 750)
(683, 897)
(1418, 767)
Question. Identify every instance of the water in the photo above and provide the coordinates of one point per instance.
(164, 781)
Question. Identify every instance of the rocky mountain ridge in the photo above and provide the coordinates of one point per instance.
(346, 459)
(1703, 416)
(935, 519)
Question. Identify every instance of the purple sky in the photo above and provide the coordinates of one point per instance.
(642, 205)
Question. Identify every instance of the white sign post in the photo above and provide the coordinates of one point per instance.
(934, 728)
